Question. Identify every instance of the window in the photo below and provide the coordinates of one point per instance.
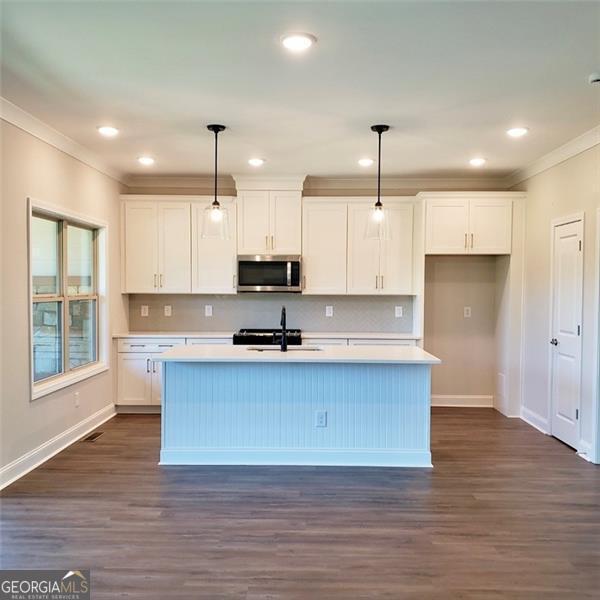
(65, 296)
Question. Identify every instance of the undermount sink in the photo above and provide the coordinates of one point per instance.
(278, 349)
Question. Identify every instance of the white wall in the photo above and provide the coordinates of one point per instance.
(569, 187)
(33, 168)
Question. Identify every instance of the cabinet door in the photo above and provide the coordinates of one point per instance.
(253, 223)
(156, 383)
(174, 247)
(446, 226)
(134, 379)
(396, 261)
(324, 242)
(140, 244)
(285, 222)
(490, 226)
(213, 260)
(363, 253)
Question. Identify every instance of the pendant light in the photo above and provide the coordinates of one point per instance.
(216, 221)
(378, 223)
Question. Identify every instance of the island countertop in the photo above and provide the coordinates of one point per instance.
(299, 354)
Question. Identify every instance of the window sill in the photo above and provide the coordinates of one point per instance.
(58, 383)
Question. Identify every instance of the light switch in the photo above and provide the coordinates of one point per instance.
(329, 311)
(208, 310)
(144, 310)
(168, 310)
(467, 312)
(398, 312)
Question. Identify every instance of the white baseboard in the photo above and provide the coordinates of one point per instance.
(34, 458)
(535, 420)
(134, 409)
(465, 401)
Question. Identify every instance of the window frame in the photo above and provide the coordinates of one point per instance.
(98, 293)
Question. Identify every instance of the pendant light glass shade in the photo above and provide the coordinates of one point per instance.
(378, 223)
(215, 222)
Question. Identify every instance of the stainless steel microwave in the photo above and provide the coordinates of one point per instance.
(266, 273)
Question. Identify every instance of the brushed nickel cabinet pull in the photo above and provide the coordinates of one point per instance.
(465, 240)
(267, 242)
(160, 280)
(155, 280)
(153, 367)
(382, 282)
(472, 237)
(303, 282)
(272, 242)
(234, 282)
(147, 365)
(376, 282)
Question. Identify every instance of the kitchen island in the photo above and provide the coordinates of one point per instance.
(336, 405)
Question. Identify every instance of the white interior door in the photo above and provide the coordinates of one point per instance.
(134, 379)
(567, 287)
(396, 264)
(213, 259)
(324, 240)
(174, 247)
(490, 225)
(363, 253)
(141, 247)
(286, 222)
(253, 223)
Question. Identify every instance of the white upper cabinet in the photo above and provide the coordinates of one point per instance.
(447, 226)
(363, 253)
(285, 222)
(156, 246)
(270, 222)
(174, 244)
(468, 223)
(213, 259)
(324, 243)
(380, 266)
(396, 255)
(140, 247)
(253, 227)
(490, 226)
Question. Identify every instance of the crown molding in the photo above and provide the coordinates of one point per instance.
(576, 146)
(16, 116)
(399, 184)
(287, 183)
(179, 181)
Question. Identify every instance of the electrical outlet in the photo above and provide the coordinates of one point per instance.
(76, 399)
(329, 311)
(208, 310)
(321, 418)
(467, 312)
(398, 312)
(144, 310)
(168, 310)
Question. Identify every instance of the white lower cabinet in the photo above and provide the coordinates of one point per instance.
(139, 381)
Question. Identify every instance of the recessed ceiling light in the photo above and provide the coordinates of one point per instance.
(477, 162)
(108, 131)
(298, 42)
(517, 132)
(147, 161)
(365, 162)
(256, 162)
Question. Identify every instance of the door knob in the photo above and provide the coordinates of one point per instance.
(554, 342)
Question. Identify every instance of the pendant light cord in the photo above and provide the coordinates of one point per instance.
(215, 202)
(379, 170)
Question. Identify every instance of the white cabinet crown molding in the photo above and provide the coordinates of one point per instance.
(288, 183)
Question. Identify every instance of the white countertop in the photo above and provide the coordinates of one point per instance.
(305, 334)
(298, 354)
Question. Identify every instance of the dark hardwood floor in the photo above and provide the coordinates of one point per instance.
(506, 513)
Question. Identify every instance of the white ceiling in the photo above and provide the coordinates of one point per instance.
(449, 77)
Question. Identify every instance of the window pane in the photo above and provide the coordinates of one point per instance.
(47, 339)
(82, 332)
(80, 258)
(44, 255)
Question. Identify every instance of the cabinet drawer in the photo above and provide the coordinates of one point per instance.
(379, 342)
(149, 344)
(209, 341)
(325, 342)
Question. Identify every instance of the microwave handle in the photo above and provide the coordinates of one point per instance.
(289, 273)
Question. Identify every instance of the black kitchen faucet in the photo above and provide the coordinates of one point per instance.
(283, 331)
